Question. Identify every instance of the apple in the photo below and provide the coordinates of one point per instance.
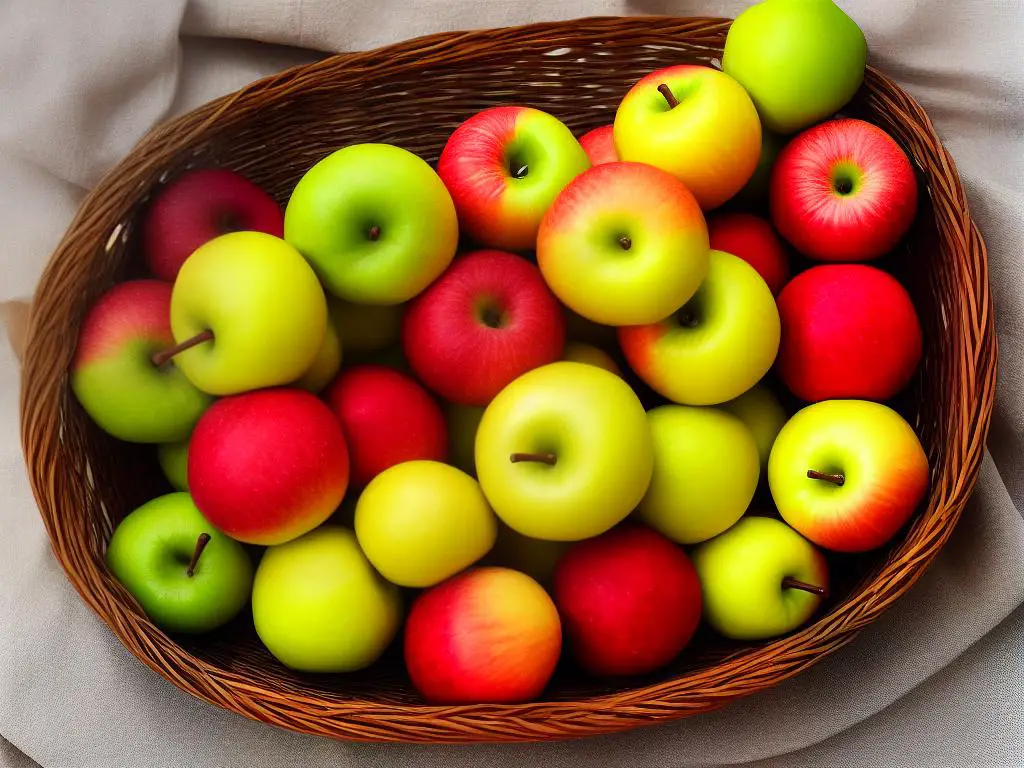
(537, 558)
(504, 167)
(755, 241)
(848, 331)
(599, 144)
(319, 606)
(422, 521)
(696, 123)
(629, 600)
(387, 418)
(326, 363)
(173, 458)
(764, 416)
(198, 206)
(624, 244)
(375, 222)
(487, 635)
(578, 352)
(847, 474)
(755, 191)
(268, 466)
(114, 376)
(365, 329)
(462, 421)
(187, 576)
(843, 191)
(487, 320)
(247, 312)
(717, 346)
(800, 60)
(709, 453)
(564, 452)
(759, 579)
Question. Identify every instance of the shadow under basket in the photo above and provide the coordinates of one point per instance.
(414, 94)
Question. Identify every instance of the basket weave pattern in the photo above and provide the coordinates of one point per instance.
(414, 94)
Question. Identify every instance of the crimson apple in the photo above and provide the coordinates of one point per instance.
(599, 144)
(755, 241)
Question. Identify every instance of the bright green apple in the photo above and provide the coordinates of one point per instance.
(258, 304)
(420, 522)
(375, 221)
(319, 606)
(326, 363)
(764, 416)
(759, 579)
(800, 60)
(717, 346)
(705, 472)
(463, 421)
(564, 452)
(365, 329)
(173, 458)
(187, 576)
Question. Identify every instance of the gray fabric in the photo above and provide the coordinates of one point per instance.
(80, 81)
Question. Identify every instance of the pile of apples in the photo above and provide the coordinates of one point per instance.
(522, 396)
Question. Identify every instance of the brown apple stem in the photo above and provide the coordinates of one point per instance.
(790, 583)
(374, 233)
(625, 242)
(540, 458)
(670, 97)
(838, 478)
(162, 357)
(201, 542)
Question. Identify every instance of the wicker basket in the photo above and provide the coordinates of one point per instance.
(414, 94)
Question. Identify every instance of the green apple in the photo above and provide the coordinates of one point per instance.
(705, 472)
(759, 579)
(717, 346)
(800, 60)
(187, 576)
(256, 310)
(564, 452)
(463, 421)
(326, 363)
(420, 522)
(755, 191)
(537, 558)
(173, 458)
(764, 416)
(365, 329)
(375, 221)
(319, 606)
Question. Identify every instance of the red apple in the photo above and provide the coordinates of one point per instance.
(629, 600)
(199, 206)
(599, 144)
(843, 191)
(267, 466)
(848, 331)
(387, 419)
(755, 241)
(483, 323)
(486, 635)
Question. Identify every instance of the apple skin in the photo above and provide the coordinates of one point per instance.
(319, 606)
(599, 144)
(420, 522)
(462, 421)
(365, 329)
(489, 319)
(728, 343)
(629, 600)
(263, 304)
(624, 244)
(764, 416)
(487, 635)
(173, 458)
(843, 191)
(578, 352)
(800, 60)
(874, 448)
(198, 206)
(741, 574)
(593, 425)
(711, 140)
(495, 208)
(149, 553)
(387, 418)
(112, 373)
(268, 466)
(848, 331)
(375, 222)
(326, 363)
(713, 456)
(755, 241)
(755, 192)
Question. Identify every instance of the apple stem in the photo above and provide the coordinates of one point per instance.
(790, 583)
(374, 233)
(201, 542)
(540, 458)
(625, 242)
(837, 478)
(670, 97)
(162, 357)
